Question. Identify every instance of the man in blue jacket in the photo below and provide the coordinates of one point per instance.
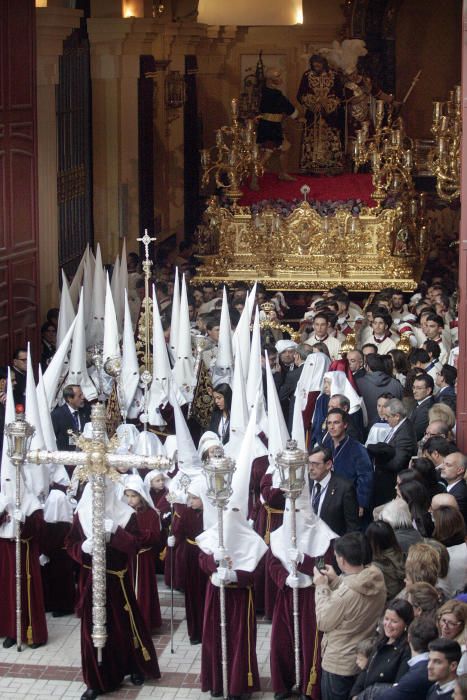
(415, 684)
(350, 458)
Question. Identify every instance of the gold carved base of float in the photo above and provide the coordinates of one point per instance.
(376, 249)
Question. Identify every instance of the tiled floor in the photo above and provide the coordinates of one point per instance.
(53, 671)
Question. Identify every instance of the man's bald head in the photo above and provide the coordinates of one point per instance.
(444, 499)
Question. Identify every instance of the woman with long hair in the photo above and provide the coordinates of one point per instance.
(220, 419)
(427, 475)
(417, 498)
(387, 556)
(450, 531)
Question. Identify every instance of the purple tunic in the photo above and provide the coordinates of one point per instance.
(243, 675)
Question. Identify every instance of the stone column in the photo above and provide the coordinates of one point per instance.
(116, 45)
(54, 24)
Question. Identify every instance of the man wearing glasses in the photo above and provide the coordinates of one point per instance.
(333, 498)
(19, 364)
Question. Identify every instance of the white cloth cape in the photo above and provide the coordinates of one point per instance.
(241, 542)
(57, 508)
(114, 510)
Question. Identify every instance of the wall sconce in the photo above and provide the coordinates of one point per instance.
(132, 8)
(175, 90)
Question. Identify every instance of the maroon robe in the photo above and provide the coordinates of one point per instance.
(243, 675)
(162, 506)
(270, 517)
(58, 577)
(282, 657)
(174, 564)
(129, 648)
(34, 625)
(185, 528)
(143, 567)
(258, 470)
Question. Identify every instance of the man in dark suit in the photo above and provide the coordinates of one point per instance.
(287, 389)
(422, 390)
(414, 684)
(72, 415)
(356, 361)
(332, 497)
(20, 366)
(453, 469)
(394, 454)
(446, 381)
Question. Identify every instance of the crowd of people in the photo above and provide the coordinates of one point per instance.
(367, 388)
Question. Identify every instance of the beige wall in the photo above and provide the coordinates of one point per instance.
(428, 37)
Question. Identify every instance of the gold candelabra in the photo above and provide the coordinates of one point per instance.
(445, 158)
(391, 162)
(234, 157)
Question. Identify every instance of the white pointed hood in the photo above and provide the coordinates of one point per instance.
(188, 460)
(95, 329)
(29, 502)
(298, 429)
(117, 293)
(77, 281)
(36, 476)
(57, 472)
(254, 385)
(242, 474)
(183, 371)
(124, 268)
(78, 373)
(86, 291)
(57, 369)
(239, 409)
(111, 347)
(251, 300)
(175, 319)
(241, 340)
(223, 368)
(130, 367)
(277, 428)
(66, 314)
(161, 371)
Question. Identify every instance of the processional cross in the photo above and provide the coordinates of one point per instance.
(146, 376)
(96, 460)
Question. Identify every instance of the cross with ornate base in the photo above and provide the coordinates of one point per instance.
(96, 461)
(146, 240)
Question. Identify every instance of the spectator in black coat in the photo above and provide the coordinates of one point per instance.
(415, 684)
(336, 502)
(389, 662)
(453, 471)
(393, 455)
(422, 390)
(72, 415)
(446, 381)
